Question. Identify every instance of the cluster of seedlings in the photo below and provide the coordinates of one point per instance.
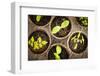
(47, 40)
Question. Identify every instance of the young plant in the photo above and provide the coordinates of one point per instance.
(84, 20)
(38, 18)
(38, 44)
(58, 51)
(77, 39)
(57, 28)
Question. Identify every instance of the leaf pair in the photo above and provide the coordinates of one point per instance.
(64, 24)
(58, 51)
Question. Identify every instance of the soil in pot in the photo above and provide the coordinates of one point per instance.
(40, 20)
(38, 41)
(78, 42)
(83, 21)
(58, 52)
(60, 26)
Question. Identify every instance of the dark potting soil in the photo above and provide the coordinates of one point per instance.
(43, 21)
(81, 47)
(64, 31)
(63, 55)
(36, 35)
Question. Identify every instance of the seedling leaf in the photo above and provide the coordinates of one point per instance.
(39, 39)
(78, 35)
(36, 46)
(57, 57)
(76, 45)
(56, 29)
(44, 42)
(38, 18)
(58, 49)
(65, 24)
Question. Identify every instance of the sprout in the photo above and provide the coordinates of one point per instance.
(84, 20)
(76, 40)
(64, 24)
(37, 44)
(58, 51)
(38, 18)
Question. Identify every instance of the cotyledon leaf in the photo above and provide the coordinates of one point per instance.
(56, 29)
(58, 49)
(78, 35)
(76, 45)
(57, 57)
(65, 24)
(39, 39)
(44, 42)
(38, 18)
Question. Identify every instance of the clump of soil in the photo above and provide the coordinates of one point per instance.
(83, 21)
(57, 22)
(39, 34)
(78, 42)
(63, 55)
(43, 21)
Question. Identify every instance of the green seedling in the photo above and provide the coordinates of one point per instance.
(58, 51)
(39, 43)
(77, 39)
(84, 20)
(38, 18)
(64, 24)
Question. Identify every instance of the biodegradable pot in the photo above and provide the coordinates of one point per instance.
(43, 21)
(81, 46)
(63, 33)
(43, 34)
(63, 55)
(80, 21)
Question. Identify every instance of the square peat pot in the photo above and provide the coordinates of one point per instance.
(51, 39)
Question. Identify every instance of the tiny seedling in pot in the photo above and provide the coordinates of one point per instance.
(57, 28)
(38, 44)
(76, 40)
(84, 21)
(58, 51)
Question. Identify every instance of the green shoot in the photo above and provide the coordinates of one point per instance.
(58, 51)
(57, 57)
(76, 40)
(39, 43)
(65, 24)
(38, 18)
(56, 29)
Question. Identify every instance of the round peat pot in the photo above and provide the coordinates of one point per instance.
(60, 27)
(58, 52)
(78, 42)
(83, 21)
(40, 20)
(38, 41)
